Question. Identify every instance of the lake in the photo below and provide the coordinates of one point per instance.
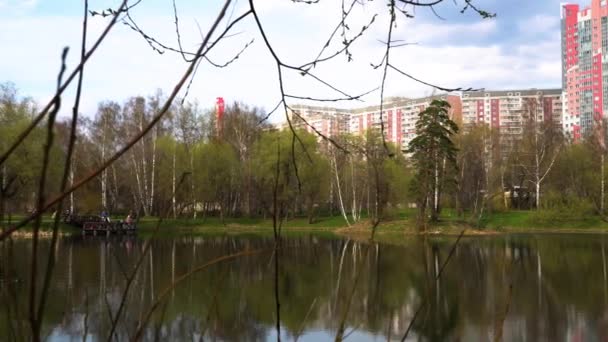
(530, 287)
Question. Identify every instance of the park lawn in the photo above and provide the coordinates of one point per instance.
(403, 221)
(515, 221)
(238, 224)
(531, 221)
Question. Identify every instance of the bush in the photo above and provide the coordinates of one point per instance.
(558, 209)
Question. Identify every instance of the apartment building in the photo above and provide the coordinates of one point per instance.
(584, 38)
(508, 110)
(325, 120)
(399, 116)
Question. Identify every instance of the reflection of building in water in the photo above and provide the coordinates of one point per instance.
(318, 273)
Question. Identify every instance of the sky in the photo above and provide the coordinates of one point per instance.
(520, 48)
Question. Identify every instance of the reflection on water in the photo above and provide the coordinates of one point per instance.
(559, 289)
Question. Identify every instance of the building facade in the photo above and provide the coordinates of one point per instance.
(399, 116)
(508, 110)
(327, 121)
(505, 111)
(584, 39)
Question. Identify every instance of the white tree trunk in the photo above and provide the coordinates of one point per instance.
(538, 195)
(192, 187)
(138, 181)
(436, 190)
(152, 176)
(104, 175)
(339, 190)
(115, 182)
(71, 185)
(144, 168)
(353, 185)
(602, 198)
(173, 185)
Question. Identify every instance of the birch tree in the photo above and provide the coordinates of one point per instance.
(541, 145)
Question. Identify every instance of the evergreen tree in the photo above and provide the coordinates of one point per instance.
(431, 151)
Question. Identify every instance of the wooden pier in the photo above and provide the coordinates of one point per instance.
(95, 225)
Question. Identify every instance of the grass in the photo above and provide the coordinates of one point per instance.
(543, 220)
(403, 221)
(400, 222)
(215, 224)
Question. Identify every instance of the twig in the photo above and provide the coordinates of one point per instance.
(270, 113)
(66, 168)
(34, 322)
(138, 334)
(425, 300)
(385, 59)
(151, 124)
(62, 88)
(129, 281)
(301, 329)
(449, 90)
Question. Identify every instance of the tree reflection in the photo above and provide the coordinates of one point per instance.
(559, 288)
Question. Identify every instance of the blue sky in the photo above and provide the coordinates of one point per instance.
(520, 48)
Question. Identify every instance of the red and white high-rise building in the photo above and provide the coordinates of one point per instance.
(584, 66)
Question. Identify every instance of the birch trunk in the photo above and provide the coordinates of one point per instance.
(71, 185)
(192, 188)
(152, 176)
(353, 182)
(173, 185)
(104, 174)
(115, 181)
(436, 189)
(138, 181)
(603, 181)
(339, 190)
(537, 173)
(144, 168)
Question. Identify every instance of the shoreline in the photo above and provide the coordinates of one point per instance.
(332, 225)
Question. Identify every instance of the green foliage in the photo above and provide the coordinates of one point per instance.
(430, 150)
(217, 170)
(20, 173)
(561, 210)
(302, 168)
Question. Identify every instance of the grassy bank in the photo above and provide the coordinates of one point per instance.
(402, 222)
(450, 223)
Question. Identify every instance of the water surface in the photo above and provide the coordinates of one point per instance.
(533, 287)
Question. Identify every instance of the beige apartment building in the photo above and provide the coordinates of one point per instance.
(399, 116)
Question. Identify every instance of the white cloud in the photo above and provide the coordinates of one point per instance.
(17, 6)
(539, 23)
(125, 66)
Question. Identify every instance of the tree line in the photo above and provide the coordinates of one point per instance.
(191, 166)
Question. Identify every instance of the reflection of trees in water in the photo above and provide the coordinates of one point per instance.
(558, 287)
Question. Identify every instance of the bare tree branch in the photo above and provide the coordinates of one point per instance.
(64, 86)
(146, 129)
(34, 323)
